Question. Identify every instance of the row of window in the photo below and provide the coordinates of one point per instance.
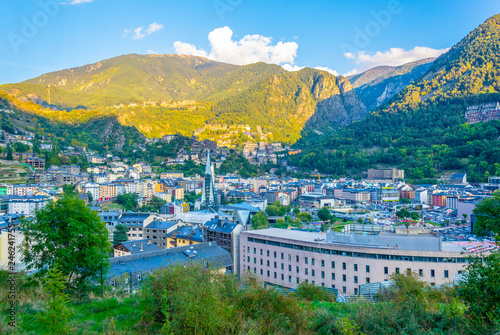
(358, 254)
(446, 273)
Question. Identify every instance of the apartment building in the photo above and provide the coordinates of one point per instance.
(344, 261)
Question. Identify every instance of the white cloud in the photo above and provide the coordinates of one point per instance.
(393, 56)
(77, 2)
(152, 52)
(249, 49)
(292, 68)
(140, 32)
(324, 68)
(188, 49)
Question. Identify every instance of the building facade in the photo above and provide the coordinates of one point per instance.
(344, 261)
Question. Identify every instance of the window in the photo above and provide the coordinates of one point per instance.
(275, 265)
(368, 269)
(433, 273)
(446, 274)
(355, 267)
(344, 266)
(289, 279)
(267, 253)
(344, 278)
(397, 270)
(313, 273)
(367, 280)
(267, 263)
(254, 270)
(248, 259)
(322, 274)
(297, 280)
(282, 277)
(344, 289)
(275, 275)
(312, 261)
(333, 276)
(306, 260)
(323, 263)
(254, 250)
(333, 264)
(275, 254)
(459, 272)
(386, 270)
(248, 249)
(297, 269)
(421, 272)
(255, 260)
(355, 291)
(282, 266)
(261, 261)
(289, 257)
(333, 286)
(268, 273)
(307, 271)
(297, 258)
(355, 279)
(282, 256)
(289, 268)
(261, 251)
(261, 272)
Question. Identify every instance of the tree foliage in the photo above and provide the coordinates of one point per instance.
(259, 221)
(68, 235)
(120, 234)
(488, 216)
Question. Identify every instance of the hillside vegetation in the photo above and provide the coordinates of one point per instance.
(422, 129)
(168, 94)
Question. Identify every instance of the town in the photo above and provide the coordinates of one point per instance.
(160, 213)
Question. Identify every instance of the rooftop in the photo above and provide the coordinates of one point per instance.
(215, 256)
(381, 241)
(136, 246)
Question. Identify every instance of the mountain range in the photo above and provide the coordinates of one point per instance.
(165, 94)
(423, 128)
(411, 116)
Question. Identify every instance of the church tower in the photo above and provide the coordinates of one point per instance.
(208, 198)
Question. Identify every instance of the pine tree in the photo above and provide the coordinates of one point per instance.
(120, 234)
(55, 319)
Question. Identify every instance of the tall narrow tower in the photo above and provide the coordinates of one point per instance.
(208, 198)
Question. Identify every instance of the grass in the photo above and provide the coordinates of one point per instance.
(97, 316)
(111, 207)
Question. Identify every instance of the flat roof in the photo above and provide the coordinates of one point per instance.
(404, 242)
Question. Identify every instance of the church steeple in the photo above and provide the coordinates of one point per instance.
(208, 199)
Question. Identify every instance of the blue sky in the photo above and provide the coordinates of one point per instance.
(341, 36)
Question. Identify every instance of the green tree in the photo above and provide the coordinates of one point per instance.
(324, 214)
(90, 197)
(405, 201)
(9, 153)
(296, 211)
(69, 235)
(69, 190)
(480, 289)
(55, 319)
(129, 201)
(304, 217)
(488, 216)
(259, 221)
(120, 234)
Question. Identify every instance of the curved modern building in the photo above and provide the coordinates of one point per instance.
(345, 261)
